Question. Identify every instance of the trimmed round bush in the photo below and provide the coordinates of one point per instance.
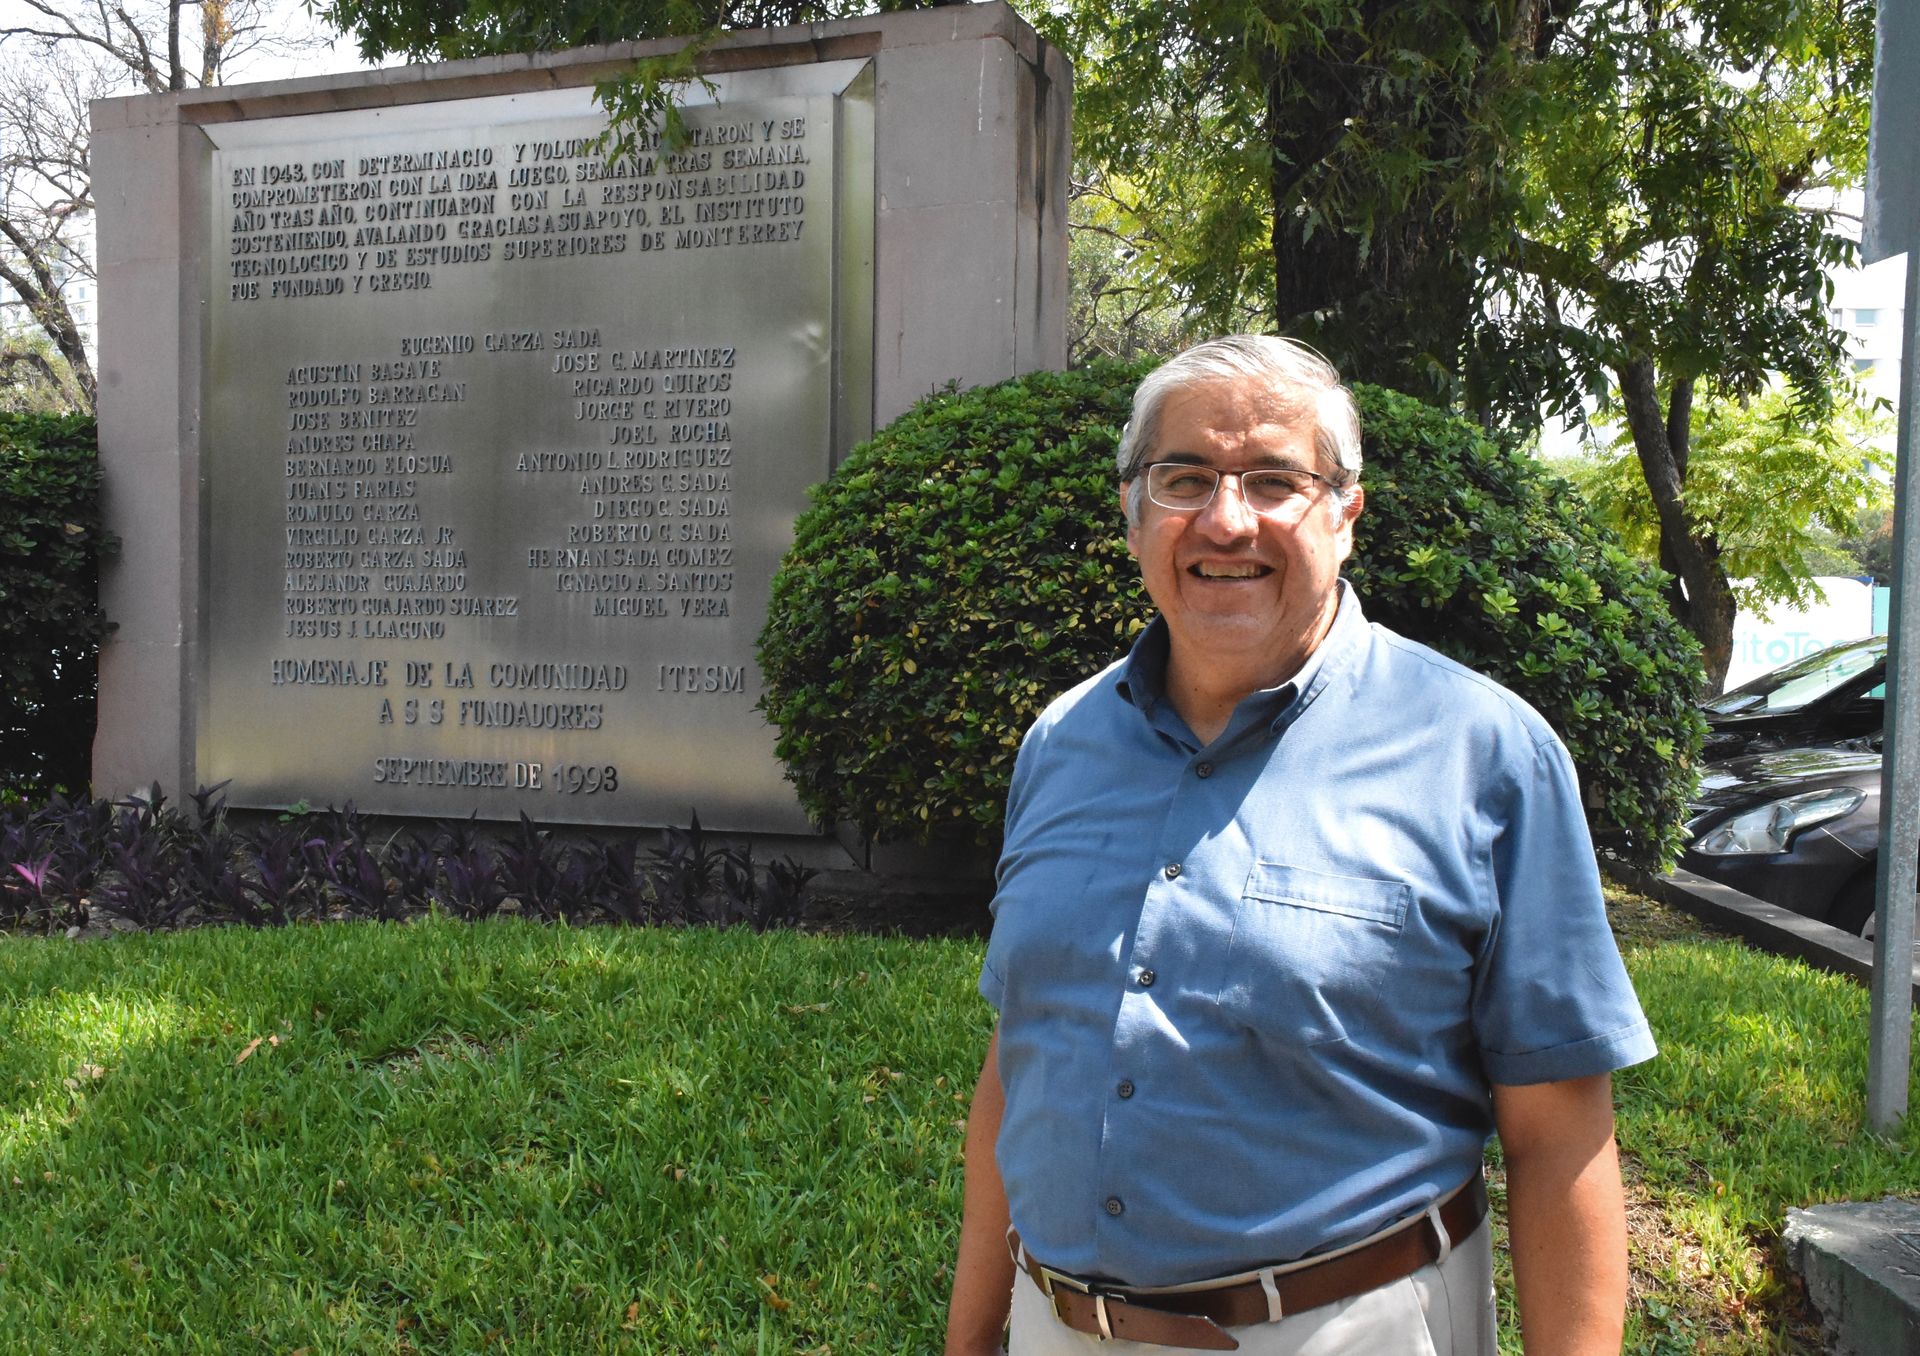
(1480, 553)
(969, 563)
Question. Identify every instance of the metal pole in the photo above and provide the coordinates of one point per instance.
(1890, 1052)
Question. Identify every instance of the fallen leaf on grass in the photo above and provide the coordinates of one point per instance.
(253, 1045)
(771, 1281)
(84, 1073)
(800, 1009)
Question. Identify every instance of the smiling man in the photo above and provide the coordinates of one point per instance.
(1293, 914)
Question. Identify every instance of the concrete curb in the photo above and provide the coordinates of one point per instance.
(1861, 1261)
(1767, 926)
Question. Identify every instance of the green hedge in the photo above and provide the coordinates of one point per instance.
(51, 540)
(969, 563)
(956, 574)
(1480, 553)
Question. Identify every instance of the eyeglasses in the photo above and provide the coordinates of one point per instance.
(1187, 488)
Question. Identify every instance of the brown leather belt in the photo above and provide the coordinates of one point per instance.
(1199, 1318)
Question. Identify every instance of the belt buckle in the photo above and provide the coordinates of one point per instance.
(1048, 1278)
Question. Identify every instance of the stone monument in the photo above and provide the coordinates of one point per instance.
(453, 441)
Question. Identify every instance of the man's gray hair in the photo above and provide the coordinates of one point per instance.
(1305, 379)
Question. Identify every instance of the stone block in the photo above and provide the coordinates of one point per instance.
(236, 340)
(1861, 1264)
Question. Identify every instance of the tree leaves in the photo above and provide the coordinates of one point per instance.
(51, 540)
(1765, 476)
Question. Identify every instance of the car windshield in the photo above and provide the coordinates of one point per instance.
(1794, 685)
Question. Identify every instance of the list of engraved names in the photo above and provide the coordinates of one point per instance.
(645, 495)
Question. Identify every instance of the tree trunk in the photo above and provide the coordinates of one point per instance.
(30, 274)
(1702, 599)
(176, 73)
(1392, 305)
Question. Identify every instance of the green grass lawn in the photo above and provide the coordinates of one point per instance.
(469, 1137)
(446, 1137)
(1756, 1103)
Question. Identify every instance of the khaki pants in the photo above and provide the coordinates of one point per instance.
(1445, 1309)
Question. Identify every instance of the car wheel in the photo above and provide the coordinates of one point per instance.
(1853, 909)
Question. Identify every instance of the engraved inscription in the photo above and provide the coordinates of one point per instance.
(507, 431)
(386, 224)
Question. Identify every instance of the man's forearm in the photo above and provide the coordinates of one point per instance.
(982, 1271)
(1566, 1213)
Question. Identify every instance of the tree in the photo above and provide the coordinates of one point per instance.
(1120, 302)
(1332, 165)
(425, 30)
(46, 207)
(1775, 490)
(1869, 541)
(1675, 246)
(1520, 207)
(34, 378)
(54, 59)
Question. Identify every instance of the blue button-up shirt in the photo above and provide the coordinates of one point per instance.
(1252, 995)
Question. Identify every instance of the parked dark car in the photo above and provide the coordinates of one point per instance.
(1832, 694)
(1796, 827)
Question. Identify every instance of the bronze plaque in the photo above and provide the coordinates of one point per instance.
(506, 433)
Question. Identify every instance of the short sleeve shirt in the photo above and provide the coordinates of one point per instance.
(1253, 995)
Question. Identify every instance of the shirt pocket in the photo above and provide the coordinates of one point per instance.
(1311, 952)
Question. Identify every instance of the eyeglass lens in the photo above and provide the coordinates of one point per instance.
(1176, 485)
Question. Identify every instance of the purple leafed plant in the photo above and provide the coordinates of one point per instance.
(29, 883)
(280, 889)
(682, 873)
(155, 864)
(530, 869)
(783, 894)
(141, 888)
(414, 867)
(473, 876)
(615, 881)
(357, 878)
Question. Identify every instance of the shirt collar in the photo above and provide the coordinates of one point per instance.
(1142, 678)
